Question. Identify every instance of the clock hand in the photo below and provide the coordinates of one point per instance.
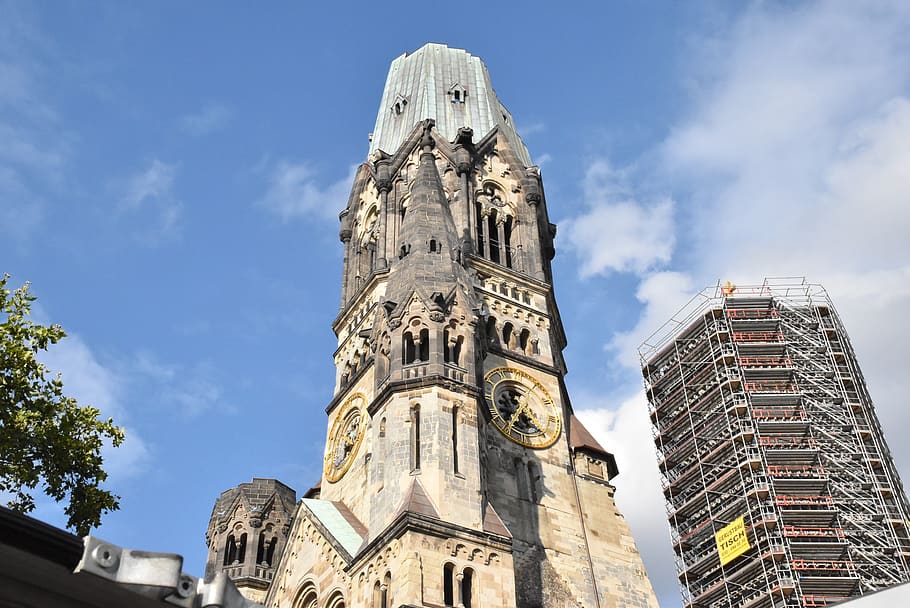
(533, 418)
(514, 417)
(524, 408)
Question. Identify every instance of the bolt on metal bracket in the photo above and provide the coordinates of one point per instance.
(158, 576)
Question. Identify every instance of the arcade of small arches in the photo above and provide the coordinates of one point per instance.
(235, 547)
(416, 345)
(508, 336)
(418, 341)
(458, 586)
(495, 223)
(355, 362)
(414, 348)
(308, 597)
(458, 591)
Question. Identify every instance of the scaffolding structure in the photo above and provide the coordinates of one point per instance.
(759, 410)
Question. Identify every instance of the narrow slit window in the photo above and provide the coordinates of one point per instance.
(415, 438)
(491, 330)
(524, 342)
(467, 588)
(494, 237)
(241, 548)
(230, 550)
(455, 416)
(377, 595)
(410, 350)
(480, 231)
(508, 336)
(507, 237)
(424, 345)
(387, 590)
(260, 549)
(448, 585)
(533, 482)
(270, 551)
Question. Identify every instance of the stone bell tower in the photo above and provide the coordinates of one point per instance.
(455, 471)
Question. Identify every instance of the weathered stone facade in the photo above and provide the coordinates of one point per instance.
(456, 473)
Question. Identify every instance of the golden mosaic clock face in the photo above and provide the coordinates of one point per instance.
(521, 408)
(345, 437)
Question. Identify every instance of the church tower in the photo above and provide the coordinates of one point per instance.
(455, 471)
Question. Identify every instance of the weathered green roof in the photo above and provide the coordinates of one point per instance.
(335, 523)
(421, 85)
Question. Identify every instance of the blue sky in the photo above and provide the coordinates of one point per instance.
(171, 174)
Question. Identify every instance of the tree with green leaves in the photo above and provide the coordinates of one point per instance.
(46, 438)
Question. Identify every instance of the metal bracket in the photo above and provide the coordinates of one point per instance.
(158, 576)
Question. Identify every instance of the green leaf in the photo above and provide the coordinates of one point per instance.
(46, 438)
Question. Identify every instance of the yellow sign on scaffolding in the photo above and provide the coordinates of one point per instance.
(732, 541)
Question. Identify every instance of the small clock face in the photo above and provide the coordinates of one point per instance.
(345, 437)
(521, 408)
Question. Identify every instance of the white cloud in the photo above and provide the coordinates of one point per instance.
(22, 211)
(149, 194)
(661, 294)
(294, 193)
(625, 432)
(92, 383)
(792, 160)
(543, 159)
(154, 182)
(34, 144)
(797, 154)
(531, 129)
(210, 118)
(194, 395)
(28, 149)
(189, 390)
(619, 233)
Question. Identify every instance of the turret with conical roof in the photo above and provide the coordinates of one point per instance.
(247, 533)
(429, 261)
